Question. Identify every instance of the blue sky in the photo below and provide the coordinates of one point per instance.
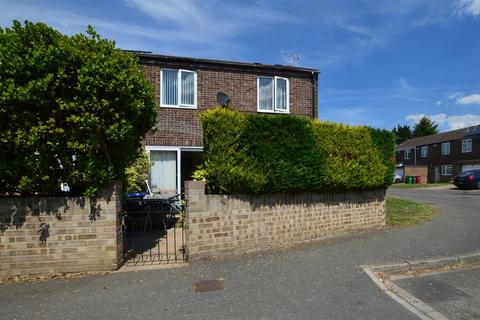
(382, 62)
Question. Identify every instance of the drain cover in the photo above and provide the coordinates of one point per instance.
(208, 285)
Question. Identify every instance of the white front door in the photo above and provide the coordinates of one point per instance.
(437, 173)
(164, 172)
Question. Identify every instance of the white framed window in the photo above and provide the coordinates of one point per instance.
(447, 170)
(445, 148)
(273, 94)
(466, 145)
(424, 151)
(407, 153)
(178, 88)
(164, 175)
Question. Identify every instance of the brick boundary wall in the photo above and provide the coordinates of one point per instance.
(225, 225)
(83, 234)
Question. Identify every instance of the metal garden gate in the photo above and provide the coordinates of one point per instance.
(153, 229)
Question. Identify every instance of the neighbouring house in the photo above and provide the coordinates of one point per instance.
(444, 155)
(184, 87)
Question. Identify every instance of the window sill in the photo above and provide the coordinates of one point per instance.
(179, 107)
(273, 111)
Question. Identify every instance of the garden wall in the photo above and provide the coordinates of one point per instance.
(61, 234)
(220, 225)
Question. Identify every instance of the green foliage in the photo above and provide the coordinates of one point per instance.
(425, 127)
(384, 142)
(282, 149)
(227, 167)
(137, 173)
(277, 153)
(352, 158)
(199, 174)
(403, 212)
(402, 133)
(72, 109)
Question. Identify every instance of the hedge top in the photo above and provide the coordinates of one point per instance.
(253, 153)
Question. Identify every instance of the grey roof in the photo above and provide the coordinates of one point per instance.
(149, 55)
(441, 137)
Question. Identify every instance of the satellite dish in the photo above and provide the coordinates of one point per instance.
(223, 99)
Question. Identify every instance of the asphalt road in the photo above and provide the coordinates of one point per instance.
(315, 281)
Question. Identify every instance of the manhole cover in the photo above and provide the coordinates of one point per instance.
(208, 285)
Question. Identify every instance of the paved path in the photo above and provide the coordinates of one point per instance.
(316, 281)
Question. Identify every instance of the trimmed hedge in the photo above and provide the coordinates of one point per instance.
(253, 153)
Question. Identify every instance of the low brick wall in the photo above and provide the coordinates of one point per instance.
(61, 234)
(220, 225)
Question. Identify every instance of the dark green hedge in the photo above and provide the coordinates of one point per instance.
(252, 153)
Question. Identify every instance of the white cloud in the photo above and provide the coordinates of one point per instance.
(403, 84)
(191, 28)
(438, 103)
(361, 27)
(471, 7)
(211, 20)
(448, 122)
(455, 95)
(471, 99)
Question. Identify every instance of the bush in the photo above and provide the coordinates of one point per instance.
(137, 173)
(255, 153)
(72, 109)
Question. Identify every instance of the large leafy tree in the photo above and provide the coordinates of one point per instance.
(425, 127)
(402, 133)
(72, 110)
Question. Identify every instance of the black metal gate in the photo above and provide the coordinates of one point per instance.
(153, 230)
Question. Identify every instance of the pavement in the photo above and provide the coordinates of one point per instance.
(320, 280)
(454, 294)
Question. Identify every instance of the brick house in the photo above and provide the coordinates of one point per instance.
(184, 87)
(445, 154)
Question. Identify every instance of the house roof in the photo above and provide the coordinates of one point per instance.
(146, 55)
(441, 137)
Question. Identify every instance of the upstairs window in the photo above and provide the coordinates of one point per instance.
(466, 145)
(178, 88)
(272, 94)
(445, 148)
(424, 151)
(406, 153)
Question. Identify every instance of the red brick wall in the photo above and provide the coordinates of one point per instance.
(421, 171)
(181, 127)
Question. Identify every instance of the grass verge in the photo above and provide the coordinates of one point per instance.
(415, 186)
(403, 213)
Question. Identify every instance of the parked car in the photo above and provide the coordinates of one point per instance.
(468, 179)
(397, 178)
